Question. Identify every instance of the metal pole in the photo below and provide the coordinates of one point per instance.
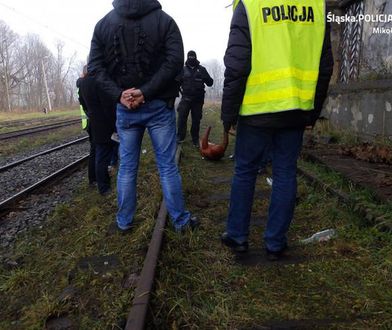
(46, 86)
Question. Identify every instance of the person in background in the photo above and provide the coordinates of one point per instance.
(102, 118)
(136, 53)
(92, 180)
(278, 69)
(193, 80)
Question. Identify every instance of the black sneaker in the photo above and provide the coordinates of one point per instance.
(106, 192)
(192, 224)
(114, 228)
(235, 246)
(275, 255)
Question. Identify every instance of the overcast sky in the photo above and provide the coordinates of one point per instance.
(204, 24)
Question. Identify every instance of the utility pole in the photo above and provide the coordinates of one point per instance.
(46, 86)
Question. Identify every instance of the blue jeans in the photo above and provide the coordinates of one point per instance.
(160, 123)
(252, 143)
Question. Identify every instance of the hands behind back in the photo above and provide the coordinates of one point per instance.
(132, 98)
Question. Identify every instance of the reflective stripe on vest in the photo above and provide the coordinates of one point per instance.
(287, 38)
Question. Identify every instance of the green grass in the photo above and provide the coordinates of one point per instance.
(200, 286)
(60, 113)
(362, 198)
(48, 259)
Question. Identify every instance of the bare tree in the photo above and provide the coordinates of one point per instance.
(34, 54)
(216, 70)
(10, 67)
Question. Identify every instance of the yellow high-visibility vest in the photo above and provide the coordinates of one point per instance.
(83, 116)
(287, 38)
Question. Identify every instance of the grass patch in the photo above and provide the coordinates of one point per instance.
(363, 198)
(343, 283)
(58, 113)
(75, 266)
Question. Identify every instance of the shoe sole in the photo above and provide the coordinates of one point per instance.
(233, 246)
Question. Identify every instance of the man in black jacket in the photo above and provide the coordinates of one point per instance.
(136, 54)
(100, 110)
(193, 79)
(272, 104)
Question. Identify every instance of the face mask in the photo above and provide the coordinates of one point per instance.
(192, 61)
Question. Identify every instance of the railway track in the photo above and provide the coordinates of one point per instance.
(137, 316)
(31, 173)
(38, 129)
(7, 205)
(21, 161)
(30, 122)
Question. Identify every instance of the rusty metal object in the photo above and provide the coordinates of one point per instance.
(211, 150)
(137, 316)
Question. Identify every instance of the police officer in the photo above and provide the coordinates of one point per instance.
(278, 67)
(193, 79)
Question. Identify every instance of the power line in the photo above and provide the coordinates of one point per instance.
(62, 35)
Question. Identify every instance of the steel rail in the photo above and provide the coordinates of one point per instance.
(6, 204)
(26, 122)
(345, 200)
(38, 129)
(137, 315)
(18, 162)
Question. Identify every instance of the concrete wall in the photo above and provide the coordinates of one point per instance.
(365, 106)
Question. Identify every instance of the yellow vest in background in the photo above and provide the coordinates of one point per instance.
(287, 38)
(83, 116)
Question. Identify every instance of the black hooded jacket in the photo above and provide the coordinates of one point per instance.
(137, 45)
(193, 80)
(99, 109)
(238, 60)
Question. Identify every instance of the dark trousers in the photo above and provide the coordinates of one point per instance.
(196, 109)
(91, 164)
(114, 158)
(253, 144)
(103, 155)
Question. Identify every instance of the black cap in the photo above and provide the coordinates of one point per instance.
(192, 53)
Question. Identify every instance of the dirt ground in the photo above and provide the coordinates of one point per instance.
(374, 176)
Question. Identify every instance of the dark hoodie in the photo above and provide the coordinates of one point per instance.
(193, 79)
(137, 45)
